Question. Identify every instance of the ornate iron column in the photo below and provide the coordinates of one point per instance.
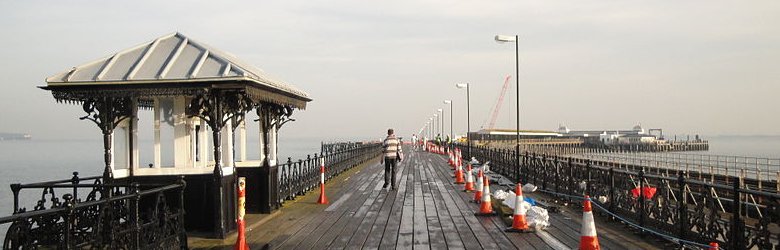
(217, 107)
(271, 116)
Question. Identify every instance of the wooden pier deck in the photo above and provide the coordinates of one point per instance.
(427, 211)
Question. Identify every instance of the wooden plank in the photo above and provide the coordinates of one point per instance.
(322, 235)
(406, 228)
(420, 225)
(520, 240)
(468, 238)
(378, 228)
(435, 233)
(450, 233)
(497, 236)
(456, 204)
(348, 224)
(390, 234)
(358, 238)
(289, 222)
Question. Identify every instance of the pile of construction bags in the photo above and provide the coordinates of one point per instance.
(536, 216)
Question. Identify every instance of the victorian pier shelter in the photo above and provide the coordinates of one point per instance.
(200, 97)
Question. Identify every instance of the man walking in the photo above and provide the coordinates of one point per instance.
(392, 154)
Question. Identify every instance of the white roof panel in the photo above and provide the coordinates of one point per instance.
(173, 57)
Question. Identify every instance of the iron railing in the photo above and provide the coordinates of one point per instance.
(298, 177)
(110, 216)
(683, 207)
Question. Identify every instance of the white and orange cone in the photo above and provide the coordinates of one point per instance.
(588, 238)
(519, 224)
(460, 158)
(241, 239)
(478, 193)
(459, 175)
(469, 180)
(323, 199)
(486, 205)
(450, 160)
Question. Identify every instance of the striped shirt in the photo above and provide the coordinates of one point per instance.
(391, 147)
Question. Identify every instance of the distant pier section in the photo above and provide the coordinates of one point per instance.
(14, 137)
(635, 139)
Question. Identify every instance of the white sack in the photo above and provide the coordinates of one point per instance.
(537, 218)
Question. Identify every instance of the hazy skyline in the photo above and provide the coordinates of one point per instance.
(694, 67)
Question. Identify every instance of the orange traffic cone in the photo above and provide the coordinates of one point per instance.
(469, 180)
(519, 224)
(588, 238)
(322, 199)
(478, 193)
(449, 160)
(459, 175)
(241, 239)
(714, 246)
(486, 205)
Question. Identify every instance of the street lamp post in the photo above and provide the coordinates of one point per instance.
(516, 40)
(436, 125)
(468, 118)
(430, 127)
(441, 123)
(451, 116)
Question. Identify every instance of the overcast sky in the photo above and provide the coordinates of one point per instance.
(689, 67)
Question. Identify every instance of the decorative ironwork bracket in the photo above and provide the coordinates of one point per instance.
(107, 113)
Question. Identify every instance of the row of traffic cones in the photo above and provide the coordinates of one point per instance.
(482, 195)
(436, 149)
(588, 237)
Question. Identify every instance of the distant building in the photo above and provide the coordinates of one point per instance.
(636, 135)
(565, 131)
(636, 139)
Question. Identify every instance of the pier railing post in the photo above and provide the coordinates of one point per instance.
(69, 221)
(737, 227)
(135, 218)
(75, 181)
(570, 183)
(544, 170)
(641, 199)
(587, 177)
(612, 190)
(557, 175)
(682, 206)
(15, 188)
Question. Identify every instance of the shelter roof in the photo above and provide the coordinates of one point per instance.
(173, 59)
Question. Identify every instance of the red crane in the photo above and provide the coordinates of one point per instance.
(494, 115)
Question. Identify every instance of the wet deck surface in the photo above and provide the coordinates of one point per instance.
(427, 211)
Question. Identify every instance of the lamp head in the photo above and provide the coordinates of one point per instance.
(461, 85)
(447, 101)
(440, 110)
(505, 39)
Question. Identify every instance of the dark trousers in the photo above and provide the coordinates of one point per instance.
(390, 164)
